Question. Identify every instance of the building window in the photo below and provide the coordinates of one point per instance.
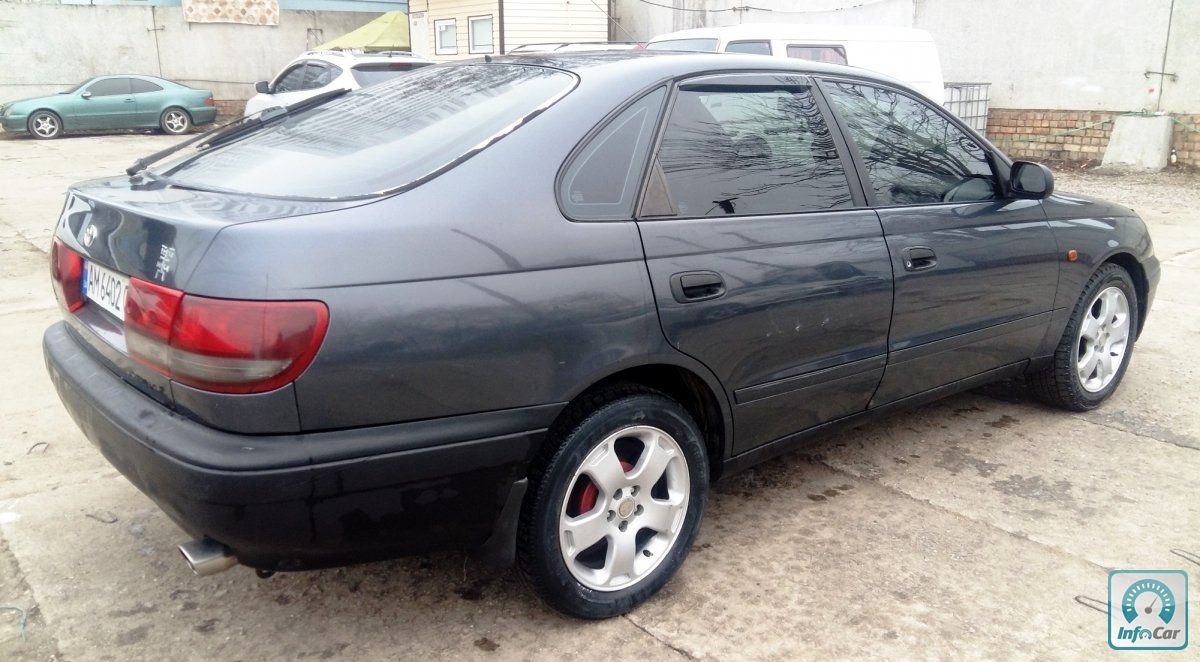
(446, 35)
(479, 29)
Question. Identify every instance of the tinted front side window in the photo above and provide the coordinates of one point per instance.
(292, 80)
(913, 155)
(746, 151)
(380, 138)
(318, 75)
(601, 182)
(752, 47)
(109, 87)
(140, 86)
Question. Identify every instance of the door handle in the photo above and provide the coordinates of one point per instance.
(692, 286)
(129, 101)
(919, 258)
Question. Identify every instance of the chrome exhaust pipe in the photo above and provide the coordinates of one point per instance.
(207, 557)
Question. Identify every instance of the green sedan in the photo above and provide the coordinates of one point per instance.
(112, 102)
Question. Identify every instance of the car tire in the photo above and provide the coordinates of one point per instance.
(647, 529)
(175, 121)
(1096, 346)
(45, 125)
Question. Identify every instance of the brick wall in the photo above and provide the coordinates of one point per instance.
(229, 109)
(1077, 136)
(1185, 142)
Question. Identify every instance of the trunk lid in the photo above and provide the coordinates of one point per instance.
(158, 233)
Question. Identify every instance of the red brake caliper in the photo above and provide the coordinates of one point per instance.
(587, 496)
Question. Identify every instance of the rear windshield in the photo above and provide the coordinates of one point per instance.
(695, 45)
(382, 138)
(369, 74)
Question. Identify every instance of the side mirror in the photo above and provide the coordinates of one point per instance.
(1033, 181)
(262, 87)
(86, 95)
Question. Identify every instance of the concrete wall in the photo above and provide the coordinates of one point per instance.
(47, 47)
(1042, 54)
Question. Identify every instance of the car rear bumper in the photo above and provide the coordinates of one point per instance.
(290, 502)
(204, 115)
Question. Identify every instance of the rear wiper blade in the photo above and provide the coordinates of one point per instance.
(235, 129)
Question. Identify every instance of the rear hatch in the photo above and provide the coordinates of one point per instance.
(127, 228)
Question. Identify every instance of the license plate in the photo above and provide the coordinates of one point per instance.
(106, 288)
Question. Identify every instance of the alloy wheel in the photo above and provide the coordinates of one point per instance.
(1103, 339)
(175, 121)
(625, 508)
(45, 125)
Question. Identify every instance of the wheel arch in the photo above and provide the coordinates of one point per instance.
(1129, 262)
(692, 386)
(62, 120)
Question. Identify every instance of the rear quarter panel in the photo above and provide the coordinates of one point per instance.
(469, 293)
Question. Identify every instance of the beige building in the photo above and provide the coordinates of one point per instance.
(458, 29)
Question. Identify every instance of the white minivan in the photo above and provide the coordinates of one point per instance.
(906, 54)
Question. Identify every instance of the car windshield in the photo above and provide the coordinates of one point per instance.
(76, 88)
(379, 139)
(695, 45)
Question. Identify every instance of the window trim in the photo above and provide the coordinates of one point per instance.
(1000, 163)
(770, 46)
(471, 32)
(437, 42)
(753, 78)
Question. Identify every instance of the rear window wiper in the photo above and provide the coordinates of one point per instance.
(235, 129)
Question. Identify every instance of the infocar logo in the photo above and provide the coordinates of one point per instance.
(1147, 610)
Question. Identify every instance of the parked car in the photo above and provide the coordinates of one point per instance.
(318, 72)
(904, 53)
(593, 285)
(126, 101)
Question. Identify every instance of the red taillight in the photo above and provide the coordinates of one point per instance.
(222, 345)
(66, 272)
(209, 102)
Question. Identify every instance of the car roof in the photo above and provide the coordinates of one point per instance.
(801, 31)
(652, 66)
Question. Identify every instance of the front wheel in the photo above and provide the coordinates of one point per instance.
(1095, 348)
(45, 125)
(614, 504)
(175, 121)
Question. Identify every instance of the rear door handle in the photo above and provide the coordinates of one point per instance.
(692, 286)
(919, 258)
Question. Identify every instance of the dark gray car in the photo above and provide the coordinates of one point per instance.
(535, 306)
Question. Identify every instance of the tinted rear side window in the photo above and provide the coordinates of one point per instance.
(381, 138)
(830, 54)
(752, 47)
(370, 74)
(746, 151)
(602, 180)
(913, 154)
(140, 86)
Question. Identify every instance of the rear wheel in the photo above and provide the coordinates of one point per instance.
(45, 125)
(1094, 351)
(175, 121)
(614, 502)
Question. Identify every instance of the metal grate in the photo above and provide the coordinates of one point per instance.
(969, 102)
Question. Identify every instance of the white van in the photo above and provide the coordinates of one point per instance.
(906, 54)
